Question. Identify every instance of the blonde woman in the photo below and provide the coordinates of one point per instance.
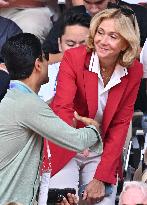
(100, 81)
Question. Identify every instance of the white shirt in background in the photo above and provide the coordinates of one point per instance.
(143, 59)
(48, 90)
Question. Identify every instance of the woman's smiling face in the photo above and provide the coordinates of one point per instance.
(107, 41)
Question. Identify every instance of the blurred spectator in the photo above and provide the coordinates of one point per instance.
(93, 7)
(133, 193)
(143, 4)
(77, 2)
(7, 29)
(142, 94)
(144, 168)
(51, 43)
(143, 58)
(4, 81)
(32, 16)
(73, 33)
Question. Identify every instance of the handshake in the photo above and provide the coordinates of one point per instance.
(85, 120)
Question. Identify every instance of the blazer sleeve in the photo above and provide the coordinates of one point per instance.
(116, 134)
(63, 102)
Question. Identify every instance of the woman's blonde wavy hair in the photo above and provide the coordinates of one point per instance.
(126, 26)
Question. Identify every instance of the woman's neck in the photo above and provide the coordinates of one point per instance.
(106, 71)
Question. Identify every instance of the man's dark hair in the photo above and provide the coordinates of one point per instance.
(70, 19)
(19, 54)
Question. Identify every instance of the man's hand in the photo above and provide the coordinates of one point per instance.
(86, 120)
(94, 192)
(3, 3)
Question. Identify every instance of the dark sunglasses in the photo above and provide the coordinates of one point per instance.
(124, 10)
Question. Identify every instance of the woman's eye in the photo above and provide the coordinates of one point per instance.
(100, 33)
(70, 44)
(113, 36)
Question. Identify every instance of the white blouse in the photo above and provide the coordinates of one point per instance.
(115, 79)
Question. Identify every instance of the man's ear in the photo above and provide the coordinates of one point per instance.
(38, 64)
(59, 45)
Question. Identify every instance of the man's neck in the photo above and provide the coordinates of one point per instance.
(31, 84)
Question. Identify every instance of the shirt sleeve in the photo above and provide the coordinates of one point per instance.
(41, 119)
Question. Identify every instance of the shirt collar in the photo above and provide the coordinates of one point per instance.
(118, 73)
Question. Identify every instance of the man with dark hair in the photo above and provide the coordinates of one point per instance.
(73, 32)
(25, 119)
(51, 43)
(8, 29)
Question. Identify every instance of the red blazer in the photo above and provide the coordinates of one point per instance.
(77, 89)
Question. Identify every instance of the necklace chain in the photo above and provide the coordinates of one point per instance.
(106, 75)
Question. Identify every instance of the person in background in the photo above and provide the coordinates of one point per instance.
(50, 46)
(133, 193)
(4, 81)
(32, 16)
(143, 59)
(25, 119)
(77, 2)
(95, 6)
(92, 7)
(8, 29)
(141, 104)
(73, 33)
(99, 80)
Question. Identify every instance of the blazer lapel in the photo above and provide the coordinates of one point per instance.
(91, 89)
(114, 98)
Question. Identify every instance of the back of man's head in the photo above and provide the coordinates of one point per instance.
(70, 19)
(19, 54)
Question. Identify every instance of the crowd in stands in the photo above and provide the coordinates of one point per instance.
(72, 73)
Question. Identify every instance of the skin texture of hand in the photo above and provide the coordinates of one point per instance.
(86, 120)
(3, 3)
(72, 200)
(94, 192)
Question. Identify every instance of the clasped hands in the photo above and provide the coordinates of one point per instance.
(85, 120)
(94, 193)
(95, 190)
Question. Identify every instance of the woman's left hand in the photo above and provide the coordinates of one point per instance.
(94, 191)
